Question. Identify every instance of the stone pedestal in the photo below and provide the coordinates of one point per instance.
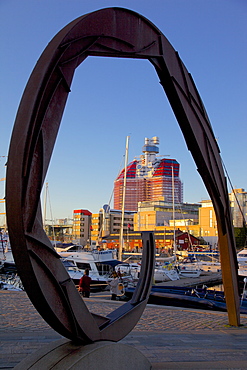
(64, 354)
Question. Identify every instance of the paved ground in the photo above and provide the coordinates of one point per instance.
(171, 338)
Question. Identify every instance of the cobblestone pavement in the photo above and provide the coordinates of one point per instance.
(17, 313)
(169, 337)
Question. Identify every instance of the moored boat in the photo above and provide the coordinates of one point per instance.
(166, 272)
(100, 264)
(189, 272)
(188, 268)
(126, 269)
(242, 257)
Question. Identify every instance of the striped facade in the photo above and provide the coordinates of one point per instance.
(157, 185)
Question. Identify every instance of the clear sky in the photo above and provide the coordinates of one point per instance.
(113, 98)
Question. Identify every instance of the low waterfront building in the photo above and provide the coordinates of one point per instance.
(207, 217)
(105, 226)
(151, 215)
(164, 241)
(197, 220)
(59, 231)
(82, 226)
(208, 223)
(107, 223)
(238, 203)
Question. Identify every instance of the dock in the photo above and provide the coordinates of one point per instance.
(206, 278)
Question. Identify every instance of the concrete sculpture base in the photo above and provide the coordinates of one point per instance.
(64, 354)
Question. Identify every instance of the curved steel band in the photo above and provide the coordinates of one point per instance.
(108, 32)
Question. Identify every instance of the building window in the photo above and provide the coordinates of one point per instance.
(210, 218)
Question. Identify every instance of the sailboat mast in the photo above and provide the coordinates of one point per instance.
(173, 216)
(45, 203)
(121, 241)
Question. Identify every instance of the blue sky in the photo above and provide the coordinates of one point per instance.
(113, 98)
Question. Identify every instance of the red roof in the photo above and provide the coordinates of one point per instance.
(131, 171)
(84, 212)
(165, 168)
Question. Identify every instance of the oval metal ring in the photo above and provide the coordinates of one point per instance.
(108, 32)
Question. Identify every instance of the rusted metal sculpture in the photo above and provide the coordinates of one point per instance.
(111, 32)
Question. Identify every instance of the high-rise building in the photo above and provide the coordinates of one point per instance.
(149, 178)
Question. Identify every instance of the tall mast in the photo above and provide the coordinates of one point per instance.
(173, 216)
(2, 200)
(121, 241)
(45, 204)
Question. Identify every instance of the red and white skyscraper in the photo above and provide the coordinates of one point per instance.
(149, 178)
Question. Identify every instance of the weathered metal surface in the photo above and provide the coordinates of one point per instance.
(108, 32)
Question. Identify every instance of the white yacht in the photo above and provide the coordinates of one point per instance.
(195, 264)
(132, 269)
(99, 263)
(166, 272)
(189, 267)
